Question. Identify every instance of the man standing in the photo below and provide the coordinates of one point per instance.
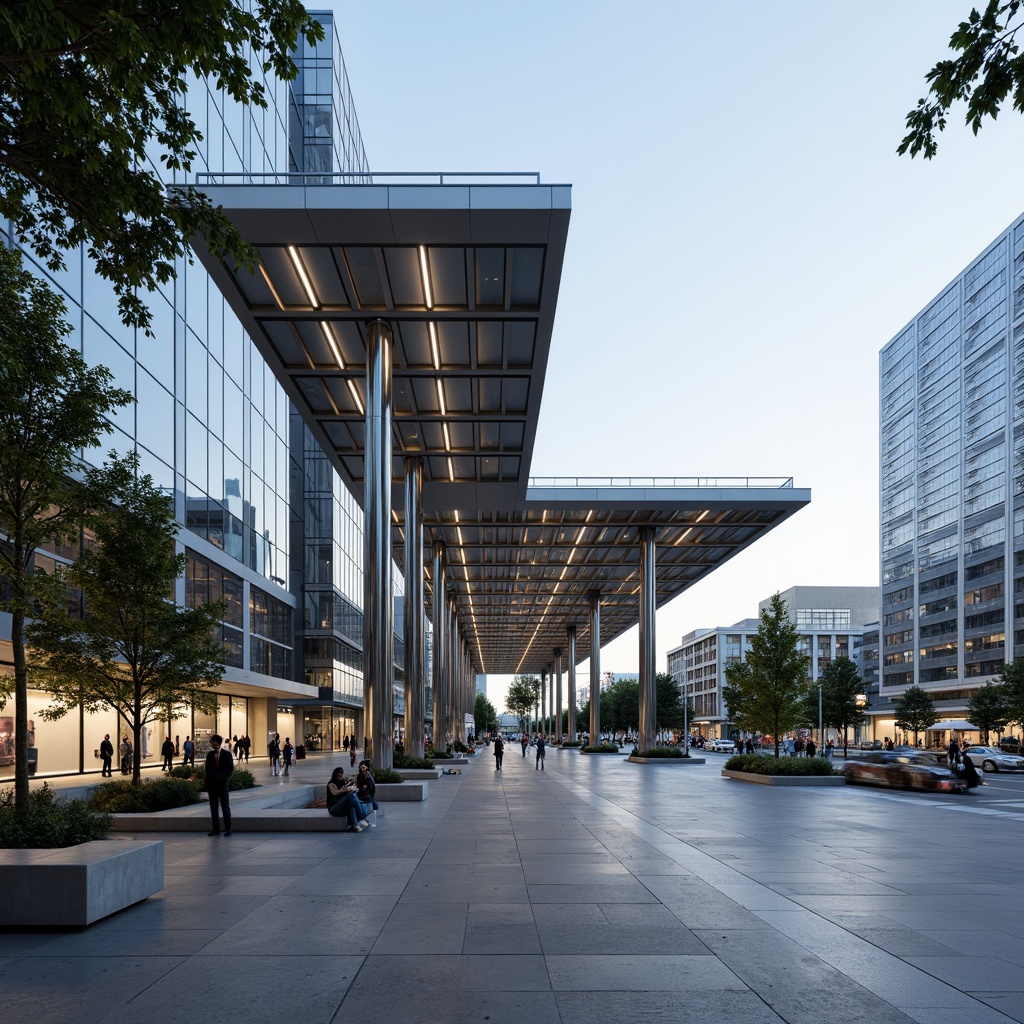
(168, 751)
(189, 756)
(107, 756)
(524, 741)
(540, 752)
(219, 766)
(499, 752)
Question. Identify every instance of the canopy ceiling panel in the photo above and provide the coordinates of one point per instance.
(467, 276)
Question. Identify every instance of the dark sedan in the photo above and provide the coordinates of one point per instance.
(902, 769)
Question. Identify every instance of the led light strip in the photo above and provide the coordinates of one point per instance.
(307, 285)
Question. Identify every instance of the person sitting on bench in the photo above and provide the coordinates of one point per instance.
(342, 800)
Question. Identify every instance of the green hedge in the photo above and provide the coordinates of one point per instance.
(386, 775)
(122, 797)
(658, 752)
(400, 760)
(459, 747)
(766, 764)
(241, 778)
(572, 743)
(601, 748)
(440, 755)
(48, 822)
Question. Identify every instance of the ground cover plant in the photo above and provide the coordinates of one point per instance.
(47, 821)
(766, 764)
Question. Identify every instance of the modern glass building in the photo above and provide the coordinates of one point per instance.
(266, 522)
(951, 386)
(829, 620)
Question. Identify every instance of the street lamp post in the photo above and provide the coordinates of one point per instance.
(821, 733)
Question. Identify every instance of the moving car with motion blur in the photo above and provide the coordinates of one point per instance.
(992, 759)
(722, 746)
(902, 769)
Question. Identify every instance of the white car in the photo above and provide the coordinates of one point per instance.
(992, 759)
(721, 746)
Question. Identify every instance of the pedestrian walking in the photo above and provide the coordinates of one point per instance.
(106, 756)
(246, 746)
(188, 753)
(168, 753)
(525, 741)
(219, 766)
(540, 752)
(287, 754)
(274, 752)
(127, 756)
(499, 752)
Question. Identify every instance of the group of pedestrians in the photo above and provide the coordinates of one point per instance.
(282, 756)
(499, 750)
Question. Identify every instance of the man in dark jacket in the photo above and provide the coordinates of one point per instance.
(168, 751)
(107, 756)
(219, 766)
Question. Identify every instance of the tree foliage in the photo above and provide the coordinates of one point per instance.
(523, 693)
(94, 103)
(986, 70)
(914, 711)
(1012, 680)
(134, 650)
(987, 709)
(841, 685)
(485, 718)
(765, 692)
(51, 406)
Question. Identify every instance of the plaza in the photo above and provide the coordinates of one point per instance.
(595, 889)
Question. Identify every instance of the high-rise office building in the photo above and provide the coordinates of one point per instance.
(952, 486)
(266, 522)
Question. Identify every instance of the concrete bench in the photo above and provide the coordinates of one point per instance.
(74, 886)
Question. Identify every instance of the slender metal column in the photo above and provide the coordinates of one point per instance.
(378, 614)
(648, 666)
(570, 633)
(454, 675)
(440, 649)
(544, 701)
(595, 667)
(558, 695)
(468, 688)
(414, 649)
(551, 704)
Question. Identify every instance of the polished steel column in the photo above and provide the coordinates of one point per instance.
(570, 633)
(469, 690)
(648, 655)
(414, 643)
(558, 695)
(595, 667)
(378, 613)
(454, 675)
(440, 649)
(544, 701)
(551, 704)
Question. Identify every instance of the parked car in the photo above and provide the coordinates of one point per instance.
(722, 746)
(1009, 745)
(902, 769)
(992, 759)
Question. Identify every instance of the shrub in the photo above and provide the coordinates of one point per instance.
(440, 755)
(768, 764)
(658, 752)
(601, 748)
(152, 795)
(459, 747)
(407, 761)
(241, 778)
(386, 775)
(572, 743)
(48, 822)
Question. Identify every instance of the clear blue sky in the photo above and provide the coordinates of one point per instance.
(743, 240)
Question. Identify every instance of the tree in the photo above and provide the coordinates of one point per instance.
(987, 709)
(51, 406)
(987, 70)
(90, 92)
(914, 711)
(134, 650)
(669, 702)
(1012, 680)
(765, 692)
(841, 685)
(522, 698)
(485, 718)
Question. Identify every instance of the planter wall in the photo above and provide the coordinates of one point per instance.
(785, 780)
(636, 759)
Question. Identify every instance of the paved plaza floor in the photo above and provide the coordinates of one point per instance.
(594, 891)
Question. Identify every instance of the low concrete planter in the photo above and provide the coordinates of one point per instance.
(401, 792)
(419, 774)
(77, 885)
(665, 760)
(785, 780)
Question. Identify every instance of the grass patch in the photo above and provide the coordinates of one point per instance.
(152, 795)
(766, 764)
(49, 822)
(601, 748)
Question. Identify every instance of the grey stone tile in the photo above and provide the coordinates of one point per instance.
(664, 1007)
(164, 913)
(76, 990)
(402, 1003)
(904, 942)
(973, 973)
(566, 873)
(453, 891)
(629, 891)
(1008, 1003)
(423, 928)
(991, 942)
(613, 928)
(107, 942)
(236, 990)
(451, 976)
(637, 973)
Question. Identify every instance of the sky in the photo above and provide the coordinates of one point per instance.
(743, 238)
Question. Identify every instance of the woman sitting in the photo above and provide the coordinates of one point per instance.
(366, 787)
(343, 802)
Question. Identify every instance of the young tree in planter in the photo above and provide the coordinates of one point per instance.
(841, 685)
(134, 650)
(484, 715)
(915, 711)
(668, 701)
(51, 406)
(987, 709)
(766, 691)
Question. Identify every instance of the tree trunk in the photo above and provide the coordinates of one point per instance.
(20, 708)
(137, 752)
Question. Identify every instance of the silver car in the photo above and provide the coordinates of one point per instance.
(992, 759)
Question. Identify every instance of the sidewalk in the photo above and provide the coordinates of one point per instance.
(596, 890)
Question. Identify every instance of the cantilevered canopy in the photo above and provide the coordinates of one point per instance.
(467, 277)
